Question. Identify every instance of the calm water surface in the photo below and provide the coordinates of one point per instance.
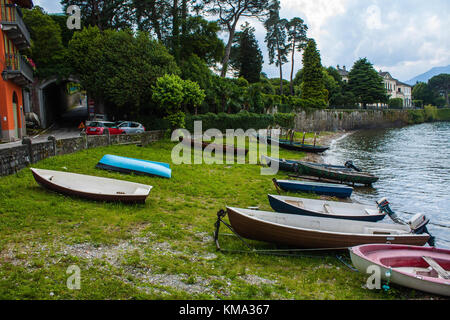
(413, 164)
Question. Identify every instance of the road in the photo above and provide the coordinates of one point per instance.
(58, 133)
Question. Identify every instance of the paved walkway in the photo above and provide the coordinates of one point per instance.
(62, 133)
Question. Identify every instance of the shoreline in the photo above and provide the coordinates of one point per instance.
(327, 139)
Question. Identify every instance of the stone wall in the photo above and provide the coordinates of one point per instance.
(331, 120)
(16, 158)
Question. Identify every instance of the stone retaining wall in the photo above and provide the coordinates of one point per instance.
(330, 120)
(19, 157)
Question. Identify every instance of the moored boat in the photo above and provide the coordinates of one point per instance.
(337, 173)
(292, 145)
(226, 148)
(316, 232)
(137, 166)
(91, 187)
(421, 268)
(325, 209)
(340, 174)
(326, 189)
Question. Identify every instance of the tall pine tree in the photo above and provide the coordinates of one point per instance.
(313, 85)
(276, 38)
(366, 84)
(246, 56)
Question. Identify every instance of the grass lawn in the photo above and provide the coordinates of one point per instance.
(161, 250)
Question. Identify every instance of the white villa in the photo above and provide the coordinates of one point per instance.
(394, 88)
(397, 89)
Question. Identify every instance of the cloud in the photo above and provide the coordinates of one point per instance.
(405, 37)
(50, 6)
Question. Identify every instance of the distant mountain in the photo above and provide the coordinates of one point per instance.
(428, 75)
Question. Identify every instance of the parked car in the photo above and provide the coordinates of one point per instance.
(98, 128)
(130, 127)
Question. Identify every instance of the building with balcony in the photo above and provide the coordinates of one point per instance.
(16, 72)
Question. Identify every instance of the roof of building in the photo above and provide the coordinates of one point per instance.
(399, 83)
(343, 72)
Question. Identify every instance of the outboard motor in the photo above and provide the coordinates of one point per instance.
(349, 164)
(417, 223)
(383, 205)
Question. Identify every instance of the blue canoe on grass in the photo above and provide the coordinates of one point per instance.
(325, 189)
(137, 166)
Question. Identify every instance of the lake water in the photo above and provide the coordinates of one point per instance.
(413, 164)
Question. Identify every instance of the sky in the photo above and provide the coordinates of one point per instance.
(403, 37)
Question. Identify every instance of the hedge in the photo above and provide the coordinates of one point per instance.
(242, 120)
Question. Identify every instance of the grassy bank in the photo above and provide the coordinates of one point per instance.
(161, 250)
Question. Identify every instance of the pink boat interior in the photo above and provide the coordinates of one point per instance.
(432, 263)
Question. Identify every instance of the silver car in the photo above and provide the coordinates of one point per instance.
(131, 127)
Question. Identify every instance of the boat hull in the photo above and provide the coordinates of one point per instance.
(203, 145)
(136, 166)
(278, 205)
(294, 146)
(336, 174)
(96, 196)
(326, 189)
(256, 229)
(389, 258)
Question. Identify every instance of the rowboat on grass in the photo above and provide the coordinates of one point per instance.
(340, 174)
(137, 166)
(326, 189)
(421, 268)
(337, 173)
(203, 145)
(292, 145)
(315, 232)
(325, 209)
(91, 187)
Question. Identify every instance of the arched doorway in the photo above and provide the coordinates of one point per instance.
(15, 104)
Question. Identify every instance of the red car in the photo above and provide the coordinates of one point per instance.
(98, 128)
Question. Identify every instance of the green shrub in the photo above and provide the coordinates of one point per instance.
(430, 113)
(396, 103)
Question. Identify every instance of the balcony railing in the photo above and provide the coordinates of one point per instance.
(18, 70)
(14, 26)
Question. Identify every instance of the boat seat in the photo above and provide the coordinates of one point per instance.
(380, 231)
(299, 204)
(433, 264)
(327, 209)
(372, 212)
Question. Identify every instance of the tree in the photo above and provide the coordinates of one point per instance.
(276, 38)
(47, 50)
(229, 12)
(441, 84)
(296, 29)
(313, 85)
(118, 68)
(246, 57)
(171, 93)
(423, 92)
(200, 38)
(105, 14)
(153, 16)
(366, 84)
